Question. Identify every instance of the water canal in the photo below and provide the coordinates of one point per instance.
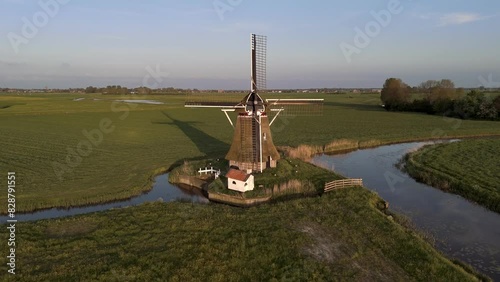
(462, 229)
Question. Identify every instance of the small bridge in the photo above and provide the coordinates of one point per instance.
(339, 184)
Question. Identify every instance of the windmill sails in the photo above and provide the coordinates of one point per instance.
(252, 148)
(259, 53)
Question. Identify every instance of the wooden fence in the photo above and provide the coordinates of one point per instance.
(210, 170)
(338, 184)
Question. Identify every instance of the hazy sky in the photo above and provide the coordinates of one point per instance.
(205, 43)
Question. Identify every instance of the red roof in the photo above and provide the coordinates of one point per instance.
(237, 175)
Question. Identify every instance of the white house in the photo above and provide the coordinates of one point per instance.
(238, 180)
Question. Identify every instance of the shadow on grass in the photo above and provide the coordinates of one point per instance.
(208, 145)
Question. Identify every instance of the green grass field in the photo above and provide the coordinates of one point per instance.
(470, 168)
(339, 236)
(39, 131)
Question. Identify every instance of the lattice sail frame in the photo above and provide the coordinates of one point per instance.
(259, 63)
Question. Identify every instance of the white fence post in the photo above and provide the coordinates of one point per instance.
(208, 170)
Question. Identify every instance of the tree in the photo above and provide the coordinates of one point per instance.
(447, 84)
(444, 90)
(395, 94)
(475, 105)
(91, 89)
(496, 103)
(438, 90)
(487, 110)
(428, 85)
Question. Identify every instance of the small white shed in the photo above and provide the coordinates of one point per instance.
(238, 180)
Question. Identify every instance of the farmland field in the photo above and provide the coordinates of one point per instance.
(43, 140)
(470, 168)
(339, 236)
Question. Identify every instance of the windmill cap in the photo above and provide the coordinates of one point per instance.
(254, 102)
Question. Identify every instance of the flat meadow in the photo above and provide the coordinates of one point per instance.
(341, 235)
(42, 135)
(470, 168)
(345, 234)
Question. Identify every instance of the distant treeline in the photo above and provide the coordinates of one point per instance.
(440, 97)
(119, 90)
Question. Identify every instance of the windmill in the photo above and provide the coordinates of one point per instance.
(252, 149)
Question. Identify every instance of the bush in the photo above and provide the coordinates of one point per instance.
(421, 106)
(442, 105)
(475, 106)
(496, 104)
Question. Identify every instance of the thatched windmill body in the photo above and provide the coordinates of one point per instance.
(252, 149)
